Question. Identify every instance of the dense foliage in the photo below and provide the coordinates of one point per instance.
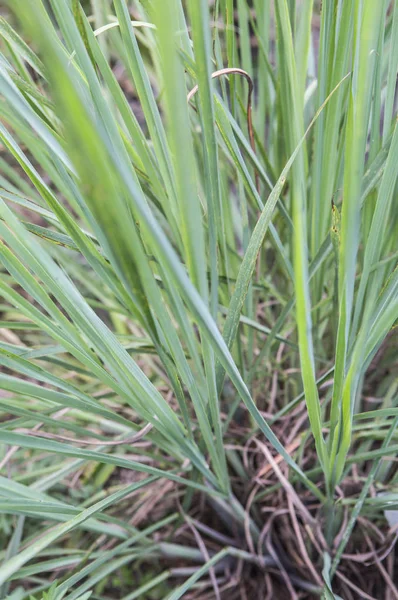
(198, 248)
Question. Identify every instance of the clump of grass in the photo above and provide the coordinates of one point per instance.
(199, 291)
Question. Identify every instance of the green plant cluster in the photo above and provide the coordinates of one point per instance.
(198, 207)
